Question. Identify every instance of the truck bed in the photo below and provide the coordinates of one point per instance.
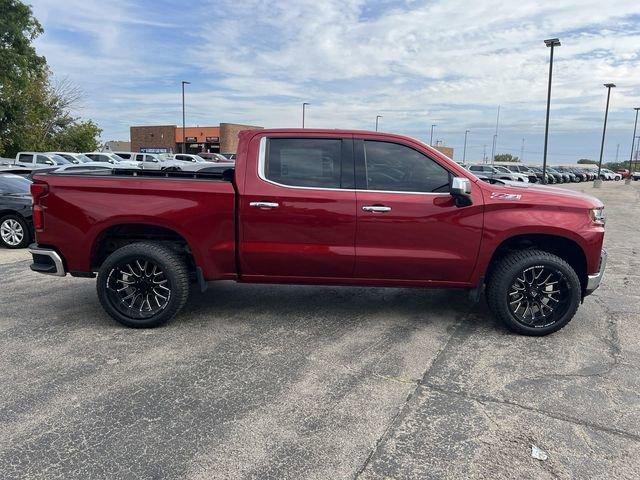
(80, 210)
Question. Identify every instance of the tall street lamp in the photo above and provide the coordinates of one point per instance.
(184, 139)
(431, 140)
(378, 117)
(633, 143)
(598, 181)
(552, 42)
(464, 150)
(304, 106)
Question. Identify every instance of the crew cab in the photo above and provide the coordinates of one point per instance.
(325, 207)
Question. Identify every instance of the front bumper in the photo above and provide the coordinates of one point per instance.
(593, 281)
(46, 260)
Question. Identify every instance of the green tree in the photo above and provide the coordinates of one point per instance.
(506, 157)
(586, 161)
(83, 136)
(35, 112)
(21, 67)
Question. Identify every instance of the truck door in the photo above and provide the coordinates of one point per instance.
(409, 227)
(298, 209)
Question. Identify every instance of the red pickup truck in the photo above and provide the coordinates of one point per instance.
(330, 207)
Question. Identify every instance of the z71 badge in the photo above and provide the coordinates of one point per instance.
(506, 196)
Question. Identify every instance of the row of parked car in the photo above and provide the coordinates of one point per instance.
(64, 161)
(16, 226)
(533, 174)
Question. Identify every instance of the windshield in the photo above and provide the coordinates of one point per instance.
(60, 160)
(82, 158)
(14, 185)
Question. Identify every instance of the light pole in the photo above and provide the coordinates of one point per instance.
(633, 143)
(522, 152)
(304, 105)
(378, 117)
(597, 182)
(184, 139)
(552, 42)
(495, 138)
(431, 139)
(464, 150)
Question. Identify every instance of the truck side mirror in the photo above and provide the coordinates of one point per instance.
(460, 190)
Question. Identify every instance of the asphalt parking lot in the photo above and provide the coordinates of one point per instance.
(324, 383)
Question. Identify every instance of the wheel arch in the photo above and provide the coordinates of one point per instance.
(118, 235)
(562, 246)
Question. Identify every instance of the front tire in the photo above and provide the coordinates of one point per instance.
(143, 285)
(14, 232)
(534, 292)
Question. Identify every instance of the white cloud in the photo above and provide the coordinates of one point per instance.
(448, 62)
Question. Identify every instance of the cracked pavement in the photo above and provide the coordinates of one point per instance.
(259, 381)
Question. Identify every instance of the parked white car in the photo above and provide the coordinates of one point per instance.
(40, 160)
(110, 158)
(75, 158)
(610, 175)
(164, 161)
(498, 172)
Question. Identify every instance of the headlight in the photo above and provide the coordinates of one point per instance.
(597, 215)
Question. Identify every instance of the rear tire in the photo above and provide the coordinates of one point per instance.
(534, 292)
(143, 285)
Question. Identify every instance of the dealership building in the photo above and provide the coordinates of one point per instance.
(169, 138)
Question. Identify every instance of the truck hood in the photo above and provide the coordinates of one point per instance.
(531, 192)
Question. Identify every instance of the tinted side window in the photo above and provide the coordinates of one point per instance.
(42, 160)
(475, 168)
(139, 157)
(26, 158)
(304, 162)
(126, 156)
(397, 168)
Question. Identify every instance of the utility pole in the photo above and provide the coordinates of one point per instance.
(597, 182)
(464, 150)
(633, 143)
(522, 152)
(484, 153)
(184, 128)
(617, 152)
(378, 117)
(552, 42)
(495, 138)
(304, 105)
(431, 139)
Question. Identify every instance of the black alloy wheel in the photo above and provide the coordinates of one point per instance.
(538, 296)
(143, 285)
(138, 288)
(533, 292)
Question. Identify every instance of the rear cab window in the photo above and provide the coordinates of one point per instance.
(306, 162)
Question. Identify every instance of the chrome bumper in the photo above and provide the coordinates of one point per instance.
(593, 281)
(47, 261)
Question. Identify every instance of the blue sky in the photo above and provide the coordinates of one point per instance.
(416, 63)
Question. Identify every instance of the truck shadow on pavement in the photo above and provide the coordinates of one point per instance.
(357, 305)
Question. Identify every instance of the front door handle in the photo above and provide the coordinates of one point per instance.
(376, 208)
(264, 205)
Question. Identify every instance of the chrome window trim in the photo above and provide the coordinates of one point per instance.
(262, 153)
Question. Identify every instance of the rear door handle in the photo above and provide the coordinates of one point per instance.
(376, 208)
(264, 205)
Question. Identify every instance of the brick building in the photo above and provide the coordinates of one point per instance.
(168, 138)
